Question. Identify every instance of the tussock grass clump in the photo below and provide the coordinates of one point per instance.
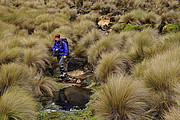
(104, 45)
(43, 19)
(142, 45)
(6, 30)
(139, 18)
(43, 86)
(9, 54)
(86, 41)
(15, 103)
(109, 64)
(163, 71)
(13, 74)
(49, 26)
(71, 14)
(36, 58)
(83, 27)
(170, 40)
(66, 31)
(171, 17)
(29, 42)
(90, 16)
(121, 98)
(161, 75)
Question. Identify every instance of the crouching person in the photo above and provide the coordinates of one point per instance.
(60, 50)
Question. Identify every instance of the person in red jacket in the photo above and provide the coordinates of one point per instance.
(60, 50)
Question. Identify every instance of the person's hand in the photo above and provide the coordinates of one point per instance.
(56, 49)
(65, 57)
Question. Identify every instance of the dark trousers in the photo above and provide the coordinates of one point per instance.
(61, 63)
(66, 106)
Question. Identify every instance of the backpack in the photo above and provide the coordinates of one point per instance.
(66, 41)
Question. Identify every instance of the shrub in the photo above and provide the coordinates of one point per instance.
(36, 58)
(16, 104)
(121, 98)
(13, 74)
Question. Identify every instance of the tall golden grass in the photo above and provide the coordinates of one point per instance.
(36, 58)
(110, 63)
(13, 74)
(16, 104)
(173, 114)
(138, 44)
(44, 86)
(122, 98)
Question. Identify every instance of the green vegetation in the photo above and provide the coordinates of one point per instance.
(136, 61)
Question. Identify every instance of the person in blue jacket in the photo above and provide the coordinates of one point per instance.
(60, 50)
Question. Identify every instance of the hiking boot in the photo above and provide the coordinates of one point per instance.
(63, 75)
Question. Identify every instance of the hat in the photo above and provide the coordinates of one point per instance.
(57, 35)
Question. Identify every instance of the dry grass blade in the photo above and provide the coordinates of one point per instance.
(173, 114)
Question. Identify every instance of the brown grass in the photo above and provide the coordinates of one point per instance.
(15, 103)
(43, 86)
(13, 74)
(36, 58)
(121, 98)
(173, 114)
(109, 64)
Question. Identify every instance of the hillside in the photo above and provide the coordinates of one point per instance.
(125, 51)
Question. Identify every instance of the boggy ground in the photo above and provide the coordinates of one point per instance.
(134, 60)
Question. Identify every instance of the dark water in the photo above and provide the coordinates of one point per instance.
(77, 98)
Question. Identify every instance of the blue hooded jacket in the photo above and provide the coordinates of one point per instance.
(61, 46)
